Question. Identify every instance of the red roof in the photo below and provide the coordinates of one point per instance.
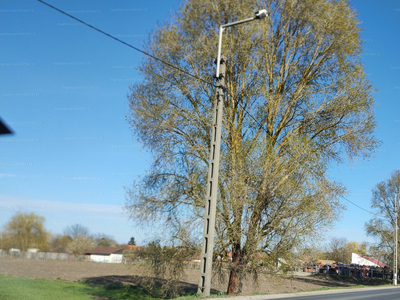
(132, 247)
(105, 250)
(377, 262)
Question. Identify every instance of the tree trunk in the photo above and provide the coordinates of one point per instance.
(235, 277)
(235, 284)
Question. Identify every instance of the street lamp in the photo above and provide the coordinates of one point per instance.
(213, 167)
(258, 15)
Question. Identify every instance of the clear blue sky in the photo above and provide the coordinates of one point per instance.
(63, 90)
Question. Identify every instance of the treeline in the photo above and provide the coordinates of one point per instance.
(385, 206)
(26, 231)
(339, 250)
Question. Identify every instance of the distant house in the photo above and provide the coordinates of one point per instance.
(105, 254)
(366, 261)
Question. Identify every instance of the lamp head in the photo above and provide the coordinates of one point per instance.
(261, 14)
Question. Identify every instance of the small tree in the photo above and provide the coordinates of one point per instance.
(25, 231)
(311, 254)
(355, 247)
(337, 249)
(132, 241)
(382, 226)
(61, 242)
(104, 240)
(167, 263)
(378, 253)
(81, 244)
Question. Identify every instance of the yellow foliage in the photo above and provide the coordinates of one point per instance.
(25, 231)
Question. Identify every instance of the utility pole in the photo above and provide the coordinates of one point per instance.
(395, 242)
(312, 265)
(213, 170)
(212, 185)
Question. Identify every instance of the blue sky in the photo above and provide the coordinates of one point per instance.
(63, 89)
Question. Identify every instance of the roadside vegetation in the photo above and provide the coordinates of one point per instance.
(16, 288)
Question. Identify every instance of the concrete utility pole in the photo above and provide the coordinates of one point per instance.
(212, 186)
(213, 171)
(395, 242)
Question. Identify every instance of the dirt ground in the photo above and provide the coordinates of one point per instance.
(131, 274)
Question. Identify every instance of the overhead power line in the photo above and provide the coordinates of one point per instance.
(372, 213)
(177, 68)
(129, 45)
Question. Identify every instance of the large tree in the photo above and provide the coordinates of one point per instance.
(75, 230)
(296, 97)
(337, 250)
(382, 226)
(340, 250)
(25, 231)
(81, 244)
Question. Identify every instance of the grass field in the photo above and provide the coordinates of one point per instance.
(17, 288)
(89, 280)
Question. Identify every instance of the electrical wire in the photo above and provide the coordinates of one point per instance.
(372, 213)
(180, 70)
(129, 45)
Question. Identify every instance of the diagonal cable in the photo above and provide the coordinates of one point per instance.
(180, 70)
(129, 45)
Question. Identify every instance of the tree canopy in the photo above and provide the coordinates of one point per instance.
(25, 231)
(296, 98)
(382, 226)
(60, 242)
(76, 230)
(81, 244)
(339, 250)
(104, 240)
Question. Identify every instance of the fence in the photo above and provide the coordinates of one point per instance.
(43, 255)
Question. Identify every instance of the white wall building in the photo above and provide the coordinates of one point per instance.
(365, 261)
(105, 254)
